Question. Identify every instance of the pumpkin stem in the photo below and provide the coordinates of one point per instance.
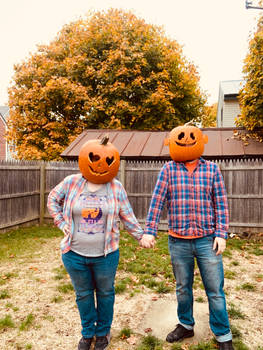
(104, 140)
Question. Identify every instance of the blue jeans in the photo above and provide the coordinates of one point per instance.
(90, 276)
(183, 253)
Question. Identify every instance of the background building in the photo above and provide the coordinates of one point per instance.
(228, 105)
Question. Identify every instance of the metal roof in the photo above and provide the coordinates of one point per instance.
(142, 145)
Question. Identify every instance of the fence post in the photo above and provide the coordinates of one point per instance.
(123, 172)
(122, 179)
(42, 193)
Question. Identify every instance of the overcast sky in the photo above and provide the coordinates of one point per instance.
(213, 33)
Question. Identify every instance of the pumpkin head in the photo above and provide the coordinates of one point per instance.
(186, 143)
(99, 161)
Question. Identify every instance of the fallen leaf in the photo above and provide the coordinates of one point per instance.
(148, 330)
(132, 340)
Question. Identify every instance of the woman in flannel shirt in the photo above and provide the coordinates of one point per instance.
(88, 213)
(198, 226)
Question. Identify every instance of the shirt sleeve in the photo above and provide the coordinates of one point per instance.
(55, 204)
(127, 216)
(157, 202)
(220, 205)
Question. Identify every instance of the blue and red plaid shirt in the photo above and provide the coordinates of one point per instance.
(197, 202)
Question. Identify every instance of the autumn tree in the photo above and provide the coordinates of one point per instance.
(251, 96)
(108, 70)
(208, 119)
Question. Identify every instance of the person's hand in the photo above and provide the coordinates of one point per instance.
(147, 241)
(219, 245)
(66, 230)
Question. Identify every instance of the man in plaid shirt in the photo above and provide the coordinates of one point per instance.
(198, 225)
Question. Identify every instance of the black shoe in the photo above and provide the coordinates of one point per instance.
(179, 333)
(85, 343)
(226, 345)
(102, 342)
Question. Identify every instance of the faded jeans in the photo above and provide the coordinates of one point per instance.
(183, 253)
(90, 276)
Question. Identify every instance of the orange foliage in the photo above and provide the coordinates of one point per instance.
(108, 70)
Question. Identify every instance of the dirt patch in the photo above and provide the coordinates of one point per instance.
(33, 290)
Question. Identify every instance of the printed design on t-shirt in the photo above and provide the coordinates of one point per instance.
(91, 212)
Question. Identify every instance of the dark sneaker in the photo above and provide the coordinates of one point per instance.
(102, 342)
(85, 343)
(226, 345)
(179, 333)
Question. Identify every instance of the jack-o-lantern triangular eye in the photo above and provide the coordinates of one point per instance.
(192, 136)
(94, 157)
(109, 160)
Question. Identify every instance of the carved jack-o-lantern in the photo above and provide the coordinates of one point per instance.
(186, 143)
(99, 161)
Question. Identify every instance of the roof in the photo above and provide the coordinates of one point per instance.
(4, 111)
(231, 87)
(143, 145)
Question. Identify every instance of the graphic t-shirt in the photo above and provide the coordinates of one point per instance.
(90, 215)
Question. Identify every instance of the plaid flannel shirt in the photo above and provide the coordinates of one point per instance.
(197, 202)
(63, 197)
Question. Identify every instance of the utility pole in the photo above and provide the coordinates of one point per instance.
(249, 6)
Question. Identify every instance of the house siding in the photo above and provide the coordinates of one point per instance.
(2, 140)
(231, 111)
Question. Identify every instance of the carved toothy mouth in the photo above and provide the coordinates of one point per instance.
(96, 172)
(185, 144)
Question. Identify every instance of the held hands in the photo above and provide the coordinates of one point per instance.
(219, 245)
(147, 241)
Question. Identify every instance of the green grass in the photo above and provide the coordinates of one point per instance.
(121, 285)
(248, 287)
(231, 275)
(150, 267)
(65, 288)
(257, 251)
(60, 273)
(11, 306)
(25, 241)
(6, 322)
(4, 294)
(125, 333)
(57, 299)
(27, 323)
(150, 343)
(234, 312)
(200, 300)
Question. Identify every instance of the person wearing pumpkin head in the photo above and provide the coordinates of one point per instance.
(198, 227)
(86, 207)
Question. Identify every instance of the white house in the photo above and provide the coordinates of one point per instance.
(228, 106)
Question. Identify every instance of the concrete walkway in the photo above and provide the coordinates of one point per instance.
(161, 317)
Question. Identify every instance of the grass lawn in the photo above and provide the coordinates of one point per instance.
(37, 308)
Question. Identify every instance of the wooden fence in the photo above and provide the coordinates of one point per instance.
(24, 187)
